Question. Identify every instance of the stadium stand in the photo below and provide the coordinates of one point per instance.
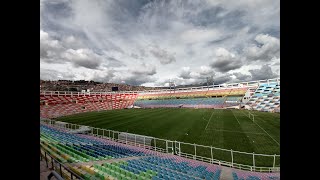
(92, 157)
(212, 98)
(61, 104)
(266, 98)
(95, 158)
(194, 102)
(194, 94)
(247, 175)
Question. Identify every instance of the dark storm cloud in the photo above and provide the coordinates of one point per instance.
(138, 80)
(242, 77)
(225, 61)
(222, 79)
(225, 65)
(144, 70)
(265, 72)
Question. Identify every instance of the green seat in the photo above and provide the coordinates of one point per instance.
(101, 176)
(104, 169)
(117, 169)
(108, 171)
(122, 171)
(123, 176)
(87, 177)
(140, 178)
(127, 173)
(133, 176)
(143, 174)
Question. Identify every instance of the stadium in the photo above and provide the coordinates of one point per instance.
(160, 90)
(228, 131)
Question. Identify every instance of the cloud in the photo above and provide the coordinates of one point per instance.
(114, 62)
(200, 35)
(267, 48)
(144, 69)
(82, 57)
(49, 48)
(185, 74)
(49, 74)
(264, 72)
(206, 71)
(163, 56)
(103, 76)
(55, 51)
(225, 61)
(150, 41)
(242, 77)
(138, 80)
(220, 79)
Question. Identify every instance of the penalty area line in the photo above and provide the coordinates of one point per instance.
(235, 117)
(263, 130)
(204, 119)
(209, 120)
(267, 133)
(243, 132)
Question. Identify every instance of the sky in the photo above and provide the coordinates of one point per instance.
(152, 42)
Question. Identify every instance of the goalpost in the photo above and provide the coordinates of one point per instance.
(251, 116)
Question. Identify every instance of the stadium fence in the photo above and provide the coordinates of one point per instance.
(225, 157)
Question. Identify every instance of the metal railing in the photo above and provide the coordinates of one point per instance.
(57, 166)
(226, 157)
(54, 174)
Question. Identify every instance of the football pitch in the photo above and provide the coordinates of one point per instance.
(220, 128)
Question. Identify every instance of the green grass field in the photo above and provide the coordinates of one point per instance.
(228, 129)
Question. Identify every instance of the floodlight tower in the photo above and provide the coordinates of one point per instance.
(171, 84)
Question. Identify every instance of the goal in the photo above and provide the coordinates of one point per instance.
(251, 116)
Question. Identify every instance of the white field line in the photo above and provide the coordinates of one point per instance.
(236, 131)
(235, 117)
(209, 120)
(264, 130)
(204, 119)
(267, 133)
(245, 114)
